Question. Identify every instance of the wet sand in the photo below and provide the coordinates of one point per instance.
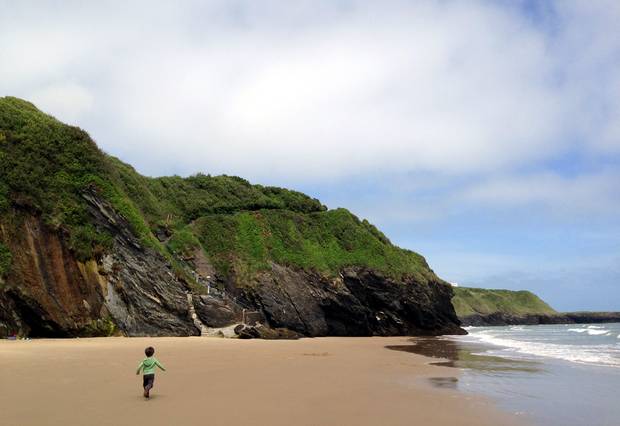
(325, 381)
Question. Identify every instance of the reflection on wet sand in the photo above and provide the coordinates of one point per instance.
(465, 355)
(444, 382)
(541, 390)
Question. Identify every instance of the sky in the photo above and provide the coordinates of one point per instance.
(483, 134)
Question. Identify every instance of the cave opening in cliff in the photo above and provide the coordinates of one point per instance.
(36, 325)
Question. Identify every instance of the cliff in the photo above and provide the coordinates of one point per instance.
(90, 247)
(483, 307)
(480, 301)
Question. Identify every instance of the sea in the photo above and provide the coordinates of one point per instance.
(566, 375)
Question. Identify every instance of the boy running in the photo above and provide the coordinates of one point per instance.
(147, 366)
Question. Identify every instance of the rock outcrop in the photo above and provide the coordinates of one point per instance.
(500, 318)
(49, 293)
(360, 302)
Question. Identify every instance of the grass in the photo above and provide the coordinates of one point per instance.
(322, 241)
(100, 328)
(47, 166)
(183, 242)
(470, 301)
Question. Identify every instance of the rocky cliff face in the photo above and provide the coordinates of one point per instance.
(134, 291)
(359, 302)
(49, 293)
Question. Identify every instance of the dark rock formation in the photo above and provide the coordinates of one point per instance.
(264, 332)
(500, 319)
(215, 312)
(358, 303)
(143, 295)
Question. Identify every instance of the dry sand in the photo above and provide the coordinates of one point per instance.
(211, 381)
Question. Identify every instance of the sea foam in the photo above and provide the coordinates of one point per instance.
(605, 355)
(590, 331)
(597, 332)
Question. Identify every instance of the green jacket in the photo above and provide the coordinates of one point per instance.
(148, 365)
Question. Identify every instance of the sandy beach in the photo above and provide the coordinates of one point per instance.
(326, 381)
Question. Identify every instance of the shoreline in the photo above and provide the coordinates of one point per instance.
(540, 371)
(328, 381)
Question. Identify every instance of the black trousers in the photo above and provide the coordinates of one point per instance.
(148, 380)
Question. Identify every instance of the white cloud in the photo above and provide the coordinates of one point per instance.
(68, 102)
(595, 193)
(417, 115)
(432, 200)
(306, 92)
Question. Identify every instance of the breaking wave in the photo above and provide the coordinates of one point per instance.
(590, 330)
(584, 350)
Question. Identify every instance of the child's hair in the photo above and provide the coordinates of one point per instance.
(149, 351)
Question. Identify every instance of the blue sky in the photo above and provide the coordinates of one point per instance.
(483, 134)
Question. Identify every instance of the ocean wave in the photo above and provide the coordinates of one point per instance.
(597, 332)
(590, 331)
(593, 354)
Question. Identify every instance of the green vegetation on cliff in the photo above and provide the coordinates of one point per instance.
(325, 241)
(47, 167)
(470, 301)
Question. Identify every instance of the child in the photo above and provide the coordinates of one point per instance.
(147, 366)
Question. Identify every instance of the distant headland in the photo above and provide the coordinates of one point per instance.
(484, 307)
